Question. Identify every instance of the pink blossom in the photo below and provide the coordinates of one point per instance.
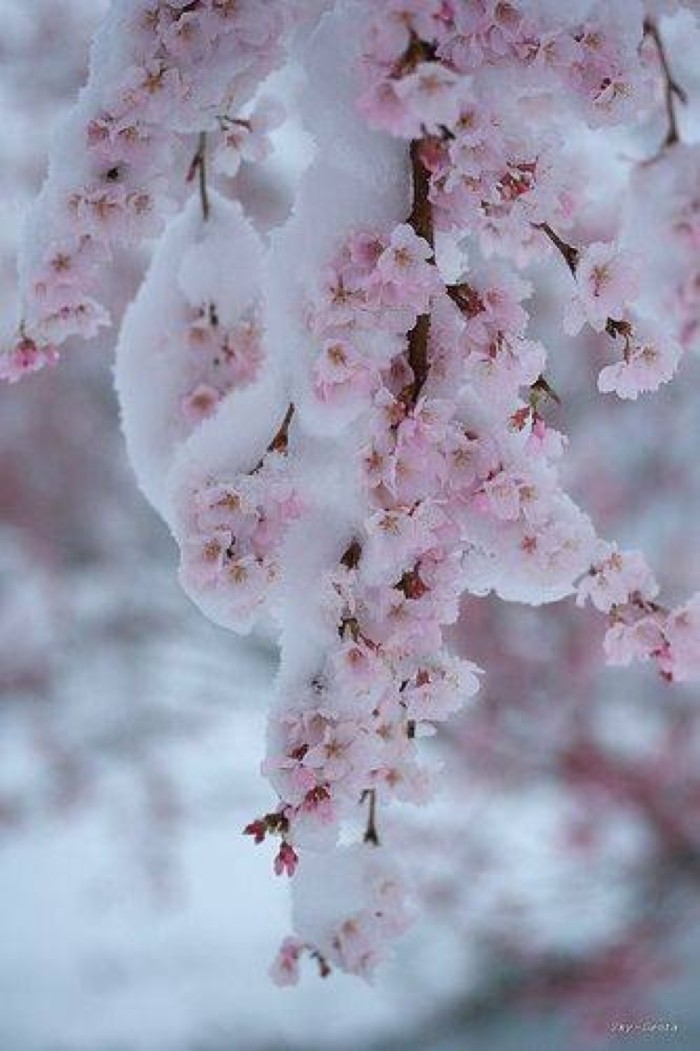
(431, 95)
(403, 274)
(247, 139)
(650, 360)
(606, 284)
(682, 631)
(204, 558)
(200, 403)
(285, 969)
(501, 496)
(341, 375)
(616, 579)
(26, 357)
(390, 35)
(640, 640)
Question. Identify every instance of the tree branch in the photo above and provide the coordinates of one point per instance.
(421, 219)
(672, 89)
(569, 254)
(371, 834)
(281, 439)
(199, 166)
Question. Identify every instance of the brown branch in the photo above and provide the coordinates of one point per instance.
(466, 298)
(569, 254)
(281, 439)
(371, 834)
(542, 390)
(421, 219)
(352, 555)
(199, 166)
(672, 89)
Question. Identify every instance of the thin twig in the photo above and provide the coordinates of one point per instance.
(281, 439)
(672, 89)
(568, 252)
(371, 834)
(199, 166)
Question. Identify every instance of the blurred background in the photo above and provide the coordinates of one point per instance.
(559, 871)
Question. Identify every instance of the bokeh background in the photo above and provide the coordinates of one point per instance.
(559, 871)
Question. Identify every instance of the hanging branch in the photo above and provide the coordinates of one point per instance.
(672, 89)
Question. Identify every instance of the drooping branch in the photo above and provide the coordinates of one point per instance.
(672, 90)
(199, 167)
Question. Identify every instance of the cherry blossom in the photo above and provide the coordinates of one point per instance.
(606, 285)
(348, 420)
(651, 358)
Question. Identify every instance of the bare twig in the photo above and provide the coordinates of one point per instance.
(199, 166)
(281, 439)
(371, 834)
(672, 89)
(568, 252)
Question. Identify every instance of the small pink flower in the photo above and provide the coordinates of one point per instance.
(641, 641)
(200, 403)
(606, 283)
(247, 139)
(204, 558)
(651, 358)
(502, 496)
(340, 375)
(24, 358)
(431, 95)
(616, 579)
(285, 969)
(405, 252)
(682, 629)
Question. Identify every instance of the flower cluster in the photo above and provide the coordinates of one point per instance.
(246, 138)
(667, 231)
(431, 70)
(223, 357)
(459, 487)
(230, 543)
(160, 72)
(417, 460)
(621, 585)
(351, 932)
(606, 286)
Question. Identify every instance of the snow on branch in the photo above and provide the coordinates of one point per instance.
(349, 423)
